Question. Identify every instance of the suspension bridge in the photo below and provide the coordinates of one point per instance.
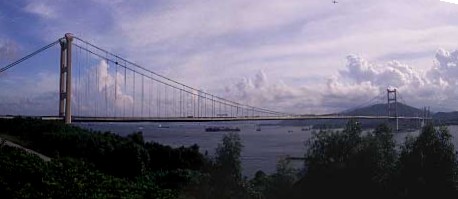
(96, 85)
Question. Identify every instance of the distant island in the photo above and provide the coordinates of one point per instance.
(444, 118)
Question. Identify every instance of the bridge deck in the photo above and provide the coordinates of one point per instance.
(214, 119)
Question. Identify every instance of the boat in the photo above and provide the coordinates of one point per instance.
(162, 127)
(219, 128)
(258, 128)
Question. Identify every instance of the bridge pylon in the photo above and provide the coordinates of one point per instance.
(65, 86)
(392, 105)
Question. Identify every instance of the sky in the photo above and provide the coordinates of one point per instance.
(301, 56)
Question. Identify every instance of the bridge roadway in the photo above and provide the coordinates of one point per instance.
(214, 119)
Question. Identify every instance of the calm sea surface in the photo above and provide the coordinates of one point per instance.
(262, 149)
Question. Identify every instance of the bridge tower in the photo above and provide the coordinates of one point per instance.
(392, 105)
(65, 86)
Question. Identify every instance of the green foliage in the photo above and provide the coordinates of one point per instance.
(428, 165)
(137, 138)
(89, 164)
(277, 185)
(224, 179)
(342, 164)
(165, 157)
(24, 175)
(228, 156)
(333, 149)
(19, 173)
(226, 174)
(108, 152)
(349, 163)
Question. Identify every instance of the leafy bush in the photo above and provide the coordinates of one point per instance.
(428, 166)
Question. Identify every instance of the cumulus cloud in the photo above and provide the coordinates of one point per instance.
(259, 91)
(358, 82)
(303, 40)
(41, 9)
(100, 92)
(362, 80)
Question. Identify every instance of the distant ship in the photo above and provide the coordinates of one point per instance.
(162, 127)
(217, 128)
(258, 128)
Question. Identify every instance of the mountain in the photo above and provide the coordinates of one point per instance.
(446, 117)
(382, 110)
(374, 110)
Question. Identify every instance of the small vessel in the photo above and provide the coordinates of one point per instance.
(160, 126)
(219, 128)
(258, 128)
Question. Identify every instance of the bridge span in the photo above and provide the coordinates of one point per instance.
(218, 119)
(105, 87)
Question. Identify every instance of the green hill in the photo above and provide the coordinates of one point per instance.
(382, 110)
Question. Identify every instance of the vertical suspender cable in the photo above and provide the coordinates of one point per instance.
(159, 99)
(116, 89)
(125, 91)
(150, 97)
(96, 90)
(133, 93)
(141, 112)
(105, 79)
(88, 74)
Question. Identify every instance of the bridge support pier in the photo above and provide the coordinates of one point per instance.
(65, 86)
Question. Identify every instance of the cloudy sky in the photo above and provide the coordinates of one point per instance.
(302, 56)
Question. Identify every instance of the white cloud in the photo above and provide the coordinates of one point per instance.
(357, 83)
(212, 44)
(182, 21)
(433, 87)
(277, 95)
(450, 1)
(101, 92)
(41, 8)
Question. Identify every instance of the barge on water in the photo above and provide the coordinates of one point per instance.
(219, 128)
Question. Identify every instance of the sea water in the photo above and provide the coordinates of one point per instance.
(264, 144)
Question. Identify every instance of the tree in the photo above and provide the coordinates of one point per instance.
(427, 165)
(280, 184)
(348, 164)
(382, 157)
(228, 156)
(225, 180)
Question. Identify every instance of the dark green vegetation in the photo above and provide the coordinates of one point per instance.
(350, 164)
(92, 164)
(346, 164)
